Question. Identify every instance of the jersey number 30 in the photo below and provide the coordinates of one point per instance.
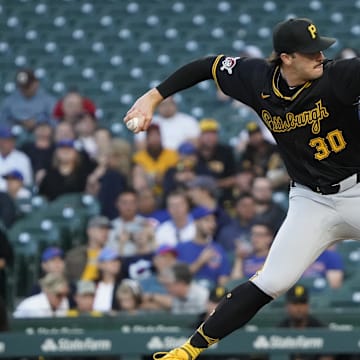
(333, 142)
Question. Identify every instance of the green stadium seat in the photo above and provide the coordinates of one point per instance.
(82, 202)
(350, 252)
(37, 228)
(344, 297)
(70, 212)
(182, 30)
(314, 285)
(25, 270)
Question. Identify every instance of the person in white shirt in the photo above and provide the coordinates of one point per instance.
(109, 265)
(126, 224)
(11, 158)
(52, 301)
(176, 127)
(180, 227)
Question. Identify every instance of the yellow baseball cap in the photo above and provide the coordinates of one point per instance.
(209, 124)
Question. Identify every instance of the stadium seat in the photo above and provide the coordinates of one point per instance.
(350, 252)
(26, 266)
(181, 30)
(344, 297)
(37, 228)
(70, 212)
(82, 202)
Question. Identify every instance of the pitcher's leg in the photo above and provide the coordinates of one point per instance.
(298, 243)
(306, 232)
(347, 205)
(300, 240)
(235, 310)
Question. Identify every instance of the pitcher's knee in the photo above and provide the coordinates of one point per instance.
(273, 286)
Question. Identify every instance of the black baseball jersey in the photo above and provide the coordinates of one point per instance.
(316, 125)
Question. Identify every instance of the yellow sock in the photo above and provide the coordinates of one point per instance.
(193, 351)
(208, 339)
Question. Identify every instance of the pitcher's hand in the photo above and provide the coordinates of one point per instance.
(144, 108)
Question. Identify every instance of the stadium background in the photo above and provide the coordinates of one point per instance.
(113, 51)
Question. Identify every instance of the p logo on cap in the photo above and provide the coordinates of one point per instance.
(312, 31)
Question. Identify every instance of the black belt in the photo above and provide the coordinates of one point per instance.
(332, 189)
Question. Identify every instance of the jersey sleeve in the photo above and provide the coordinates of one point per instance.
(345, 80)
(239, 77)
(187, 76)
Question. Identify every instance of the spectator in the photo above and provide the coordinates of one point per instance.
(208, 261)
(154, 160)
(52, 301)
(176, 127)
(244, 179)
(68, 173)
(106, 184)
(109, 265)
(120, 158)
(215, 158)
(203, 191)
(52, 262)
(129, 297)
(149, 206)
(266, 209)
(180, 227)
(178, 176)
(6, 262)
(258, 151)
(238, 231)
(40, 150)
(71, 105)
(29, 104)
(103, 139)
(84, 299)
(81, 261)
(15, 185)
(85, 126)
(64, 131)
(11, 158)
(246, 264)
(125, 224)
(298, 316)
(139, 265)
(165, 256)
(243, 137)
(263, 158)
(328, 266)
(183, 295)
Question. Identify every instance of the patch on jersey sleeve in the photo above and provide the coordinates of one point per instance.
(228, 64)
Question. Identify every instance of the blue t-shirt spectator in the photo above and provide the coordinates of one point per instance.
(328, 260)
(252, 264)
(218, 266)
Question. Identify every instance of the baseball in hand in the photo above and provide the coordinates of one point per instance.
(133, 124)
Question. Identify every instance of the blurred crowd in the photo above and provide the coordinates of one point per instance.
(182, 213)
